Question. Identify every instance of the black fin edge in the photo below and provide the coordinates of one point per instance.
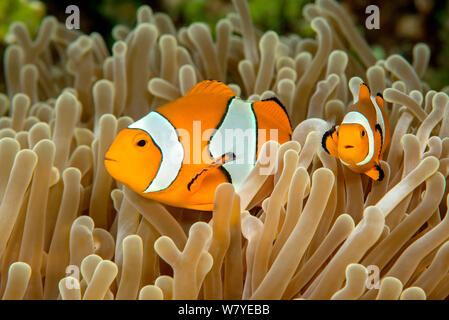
(369, 90)
(275, 99)
(378, 128)
(381, 173)
(212, 165)
(325, 135)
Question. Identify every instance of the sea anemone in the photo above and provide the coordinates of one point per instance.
(69, 231)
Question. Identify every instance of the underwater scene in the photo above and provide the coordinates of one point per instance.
(224, 149)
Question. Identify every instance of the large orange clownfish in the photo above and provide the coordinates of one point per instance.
(363, 135)
(149, 156)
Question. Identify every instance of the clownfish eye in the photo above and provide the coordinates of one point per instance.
(363, 133)
(141, 143)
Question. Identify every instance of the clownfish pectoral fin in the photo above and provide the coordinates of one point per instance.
(198, 179)
(380, 137)
(375, 173)
(329, 141)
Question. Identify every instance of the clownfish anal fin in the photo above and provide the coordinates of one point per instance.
(375, 173)
(329, 141)
(197, 180)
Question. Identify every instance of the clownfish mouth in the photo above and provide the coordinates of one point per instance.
(349, 147)
(109, 159)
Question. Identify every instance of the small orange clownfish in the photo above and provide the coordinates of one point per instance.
(153, 156)
(363, 135)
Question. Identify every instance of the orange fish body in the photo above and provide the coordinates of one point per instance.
(179, 153)
(363, 136)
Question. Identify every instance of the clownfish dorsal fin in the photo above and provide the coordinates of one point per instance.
(364, 93)
(197, 180)
(275, 110)
(210, 87)
(380, 101)
(359, 89)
